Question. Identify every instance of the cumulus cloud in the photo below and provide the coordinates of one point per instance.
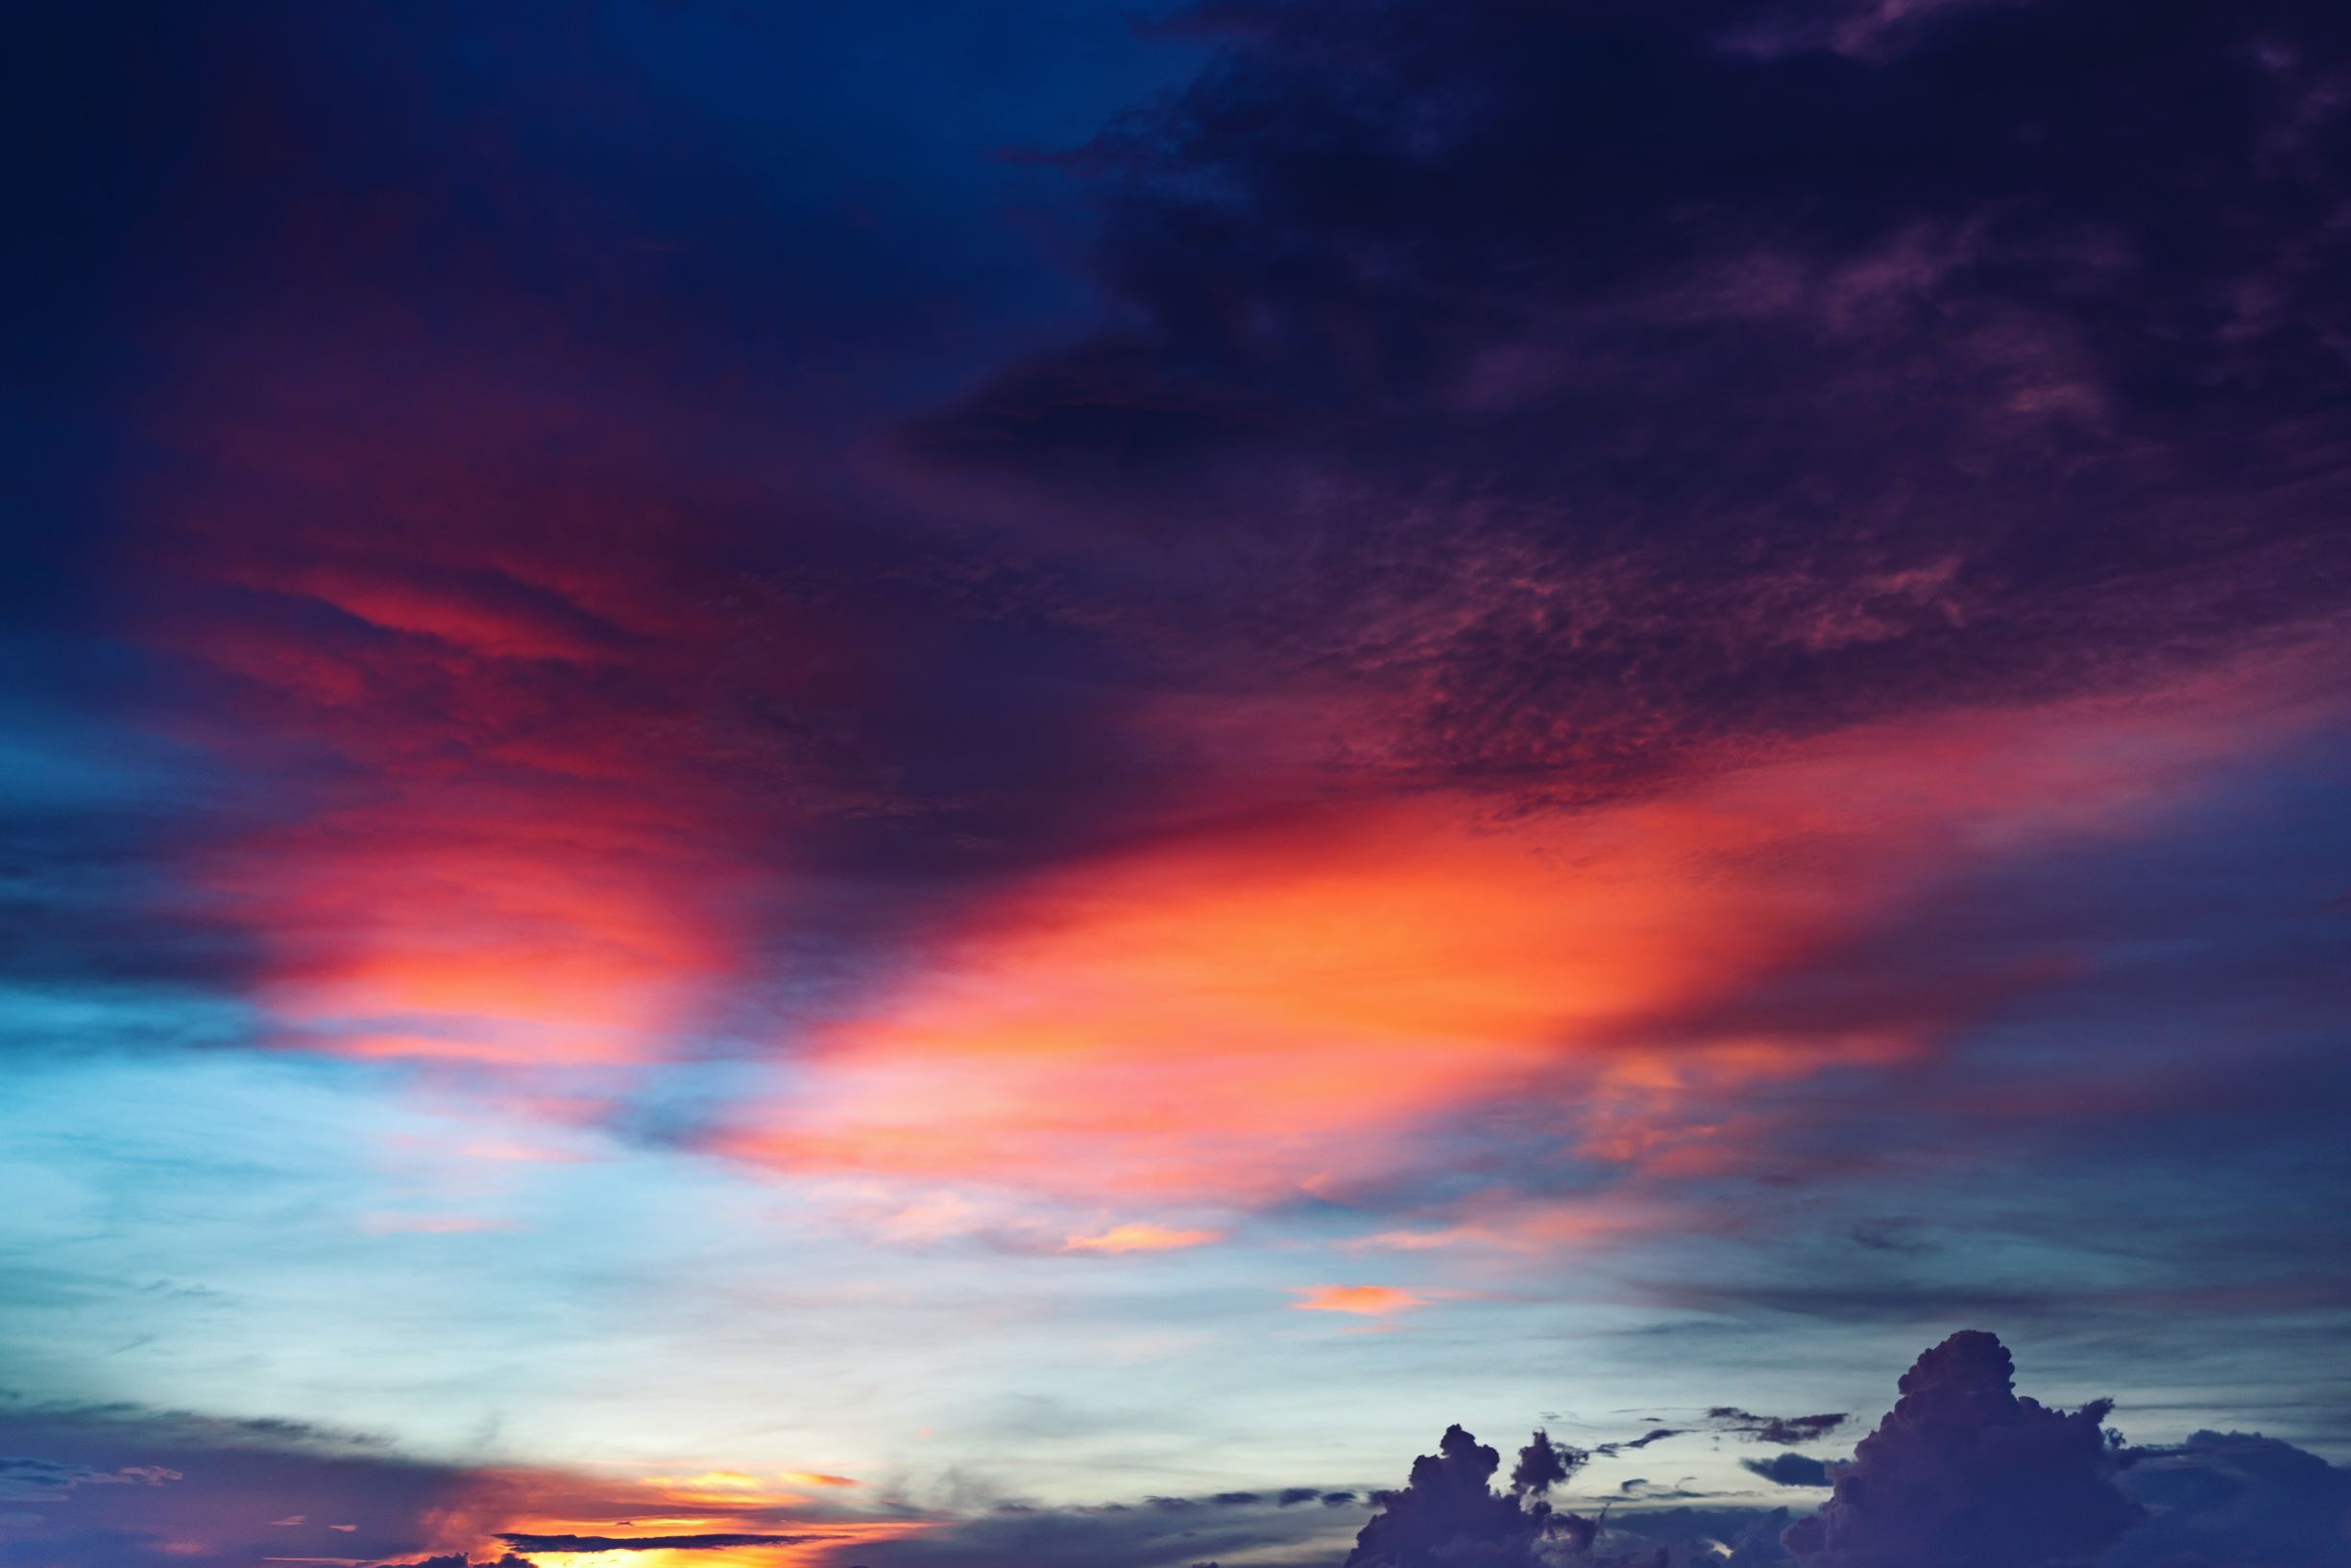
(1543, 1464)
(1962, 1473)
(1450, 1513)
(1289, 1524)
(2236, 1500)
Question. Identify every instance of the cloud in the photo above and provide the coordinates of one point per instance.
(1362, 1300)
(525, 1542)
(1155, 1533)
(816, 1478)
(1603, 412)
(1787, 1431)
(1543, 1464)
(2236, 1499)
(1448, 1514)
(1962, 1473)
(283, 1490)
(1789, 1470)
(1655, 1434)
(1139, 1238)
(109, 1481)
(41, 1481)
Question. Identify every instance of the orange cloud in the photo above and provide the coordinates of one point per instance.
(1230, 1013)
(1137, 1238)
(449, 921)
(503, 844)
(708, 1501)
(1362, 1300)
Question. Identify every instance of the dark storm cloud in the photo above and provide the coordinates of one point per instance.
(1543, 1464)
(1789, 1470)
(1962, 1472)
(2240, 1499)
(123, 1485)
(1655, 1434)
(1157, 1532)
(1786, 1430)
(1603, 383)
(43, 1480)
(1448, 1513)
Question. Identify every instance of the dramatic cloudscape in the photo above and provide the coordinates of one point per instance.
(936, 784)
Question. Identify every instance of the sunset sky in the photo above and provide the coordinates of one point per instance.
(998, 785)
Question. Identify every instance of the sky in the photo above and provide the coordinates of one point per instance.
(932, 786)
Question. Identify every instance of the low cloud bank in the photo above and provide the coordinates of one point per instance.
(1962, 1473)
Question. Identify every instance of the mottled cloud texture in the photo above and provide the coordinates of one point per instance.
(1658, 379)
(1006, 784)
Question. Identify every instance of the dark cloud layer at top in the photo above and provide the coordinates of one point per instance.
(1616, 381)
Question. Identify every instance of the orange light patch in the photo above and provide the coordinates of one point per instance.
(1232, 1014)
(1141, 1239)
(398, 932)
(704, 1503)
(1360, 1300)
(499, 848)
(831, 1542)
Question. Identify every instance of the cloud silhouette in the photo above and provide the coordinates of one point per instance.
(2236, 1500)
(1962, 1473)
(1789, 1470)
